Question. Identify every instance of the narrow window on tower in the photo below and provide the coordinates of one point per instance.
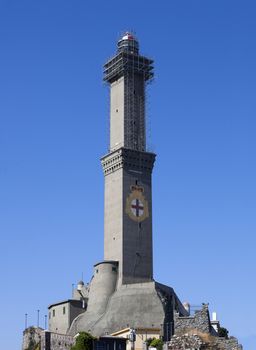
(64, 310)
(53, 313)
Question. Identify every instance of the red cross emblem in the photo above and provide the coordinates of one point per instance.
(137, 207)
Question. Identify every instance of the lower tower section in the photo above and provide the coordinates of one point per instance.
(128, 213)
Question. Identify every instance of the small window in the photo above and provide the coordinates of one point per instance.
(97, 271)
(49, 315)
(116, 110)
(53, 313)
(113, 268)
(64, 310)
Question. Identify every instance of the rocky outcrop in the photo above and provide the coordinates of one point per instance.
(32, 338)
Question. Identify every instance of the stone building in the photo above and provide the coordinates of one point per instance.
(62, 314)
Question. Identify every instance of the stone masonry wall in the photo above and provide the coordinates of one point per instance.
(54, 341)
(196, 332)
(185, 342)
(34, 336)
(200, 321)
(202, 342)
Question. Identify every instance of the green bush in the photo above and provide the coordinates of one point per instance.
(84, 342)
(148, 341)
(157, 343)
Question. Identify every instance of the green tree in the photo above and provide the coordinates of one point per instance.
(84, 342)
(223, 332)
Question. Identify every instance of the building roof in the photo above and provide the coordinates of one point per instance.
(71, 301)
(138, 329)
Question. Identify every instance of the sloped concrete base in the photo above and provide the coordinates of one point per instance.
(135, 305)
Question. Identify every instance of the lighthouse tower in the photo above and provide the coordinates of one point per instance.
(122, 290)
(122, 298)
(128, 167)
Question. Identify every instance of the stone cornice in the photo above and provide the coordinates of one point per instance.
(128, 159)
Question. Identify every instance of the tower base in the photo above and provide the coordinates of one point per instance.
(148, 304)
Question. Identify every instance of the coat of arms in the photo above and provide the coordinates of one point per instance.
(136, 204)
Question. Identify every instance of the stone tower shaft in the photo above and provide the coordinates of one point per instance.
(128, 167)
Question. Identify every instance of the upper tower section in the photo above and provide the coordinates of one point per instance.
(127, 73)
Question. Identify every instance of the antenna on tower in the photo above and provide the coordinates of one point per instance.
(38, 311)
(26, 321)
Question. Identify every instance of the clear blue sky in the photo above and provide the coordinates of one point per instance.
(53, 130)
